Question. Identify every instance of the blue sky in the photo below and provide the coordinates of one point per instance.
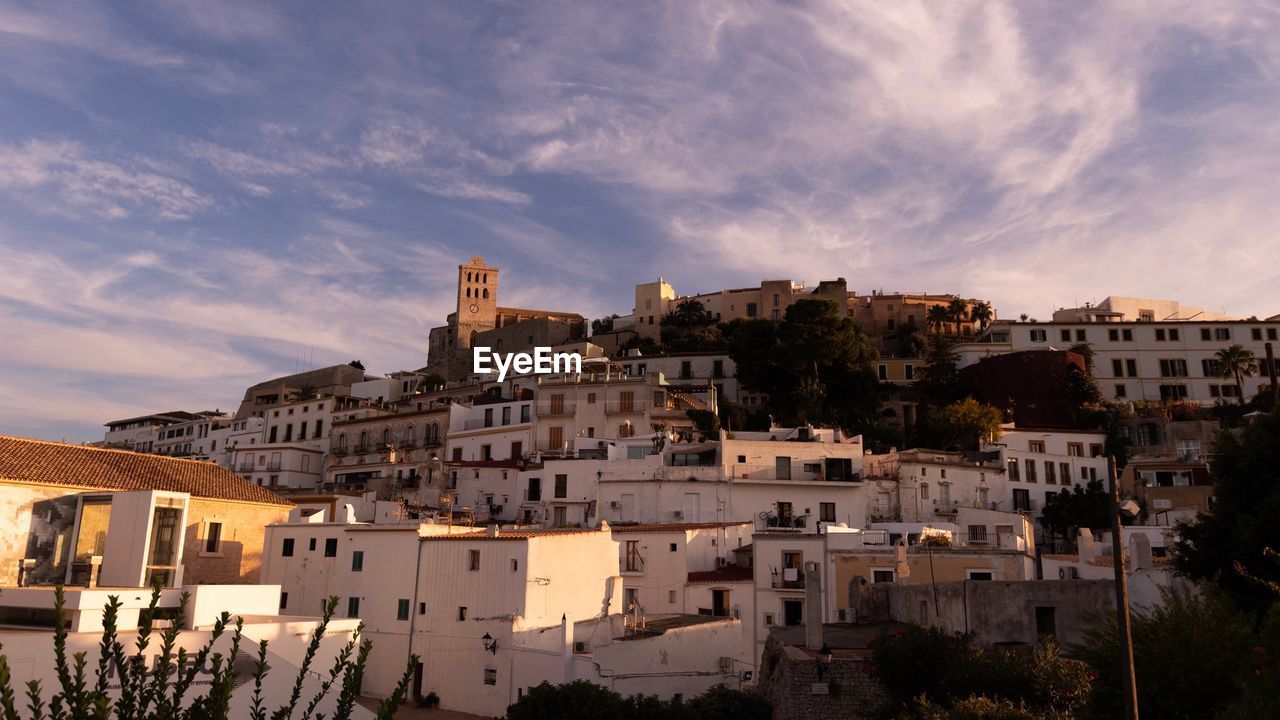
(192, 194)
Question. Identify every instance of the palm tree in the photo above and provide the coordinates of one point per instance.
(1235, 362)
(981, 313)
(938, 316)
(957, 312)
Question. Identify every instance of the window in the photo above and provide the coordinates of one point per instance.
(562, 486)
(827, 512)
(506, 415)
(881, 576)
(422, 608)
(1205, 334)
(981, 575)
(515, 565)
(1013, 469)
(353, 607)
(883, 372)
(1173, 392)
(490, 676)
(1160, 335)
(909, 371)
(402, 609)
(462, 613)
(1066, 335)
(634, 562)
(1038, 335)
(1222, 334)
(672, 547)
(1046, 621)
(284, 600)
(524, 413)
(1021, 499)
(1035, 446)
(1075, 449)
(717, 368)
(286, 549)
(311, 544)
(924, 491)
(1031, 469)
(1121, 392)
(978, 534)
(1209, 367)
(213, 538)
(1113, 335)
(357, 561)
(1064, 474)
(1117, 367)
(473, 563)
(331, 547)
(686, 369)
(1049, 473)
(1173, 367)
(751, 309)
(768, 618)
(671, 597)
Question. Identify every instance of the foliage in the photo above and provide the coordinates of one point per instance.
(982, 314)
(1228, 547)
(938, 382)
(588, 701)
(734, 416)
(1084, 350)
(963, 425)
(1195, 656)
(1080, 393)
(1235, 362)
(911, 342)
(927, 671)
(815, 365)
(690, 328)
(163, 691)
(356, 364)
(1080, 507)
(603, 325)
(705, 421)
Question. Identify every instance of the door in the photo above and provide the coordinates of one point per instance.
(691, 505)
(417, 680)
(782, 467)
(561, 516)
(720, 603)
(792, 612)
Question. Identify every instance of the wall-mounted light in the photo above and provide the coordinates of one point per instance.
(490, 644)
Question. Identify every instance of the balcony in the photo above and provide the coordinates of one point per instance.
(408, 444)
(246, 467)
(625, 407)
(788, 579)
(557, 409)
(273, 466)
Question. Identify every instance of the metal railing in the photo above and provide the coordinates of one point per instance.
(622, 407)
(557, 409)
(788, 578)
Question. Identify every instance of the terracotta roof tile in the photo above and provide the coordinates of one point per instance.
(51, 463)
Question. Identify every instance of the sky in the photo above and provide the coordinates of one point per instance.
(196, 196)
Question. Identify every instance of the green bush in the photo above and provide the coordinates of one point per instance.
(163, 693)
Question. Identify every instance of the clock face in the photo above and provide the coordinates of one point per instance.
(475, 307)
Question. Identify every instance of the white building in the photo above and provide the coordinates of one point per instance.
(1147, 565)
(139, 433)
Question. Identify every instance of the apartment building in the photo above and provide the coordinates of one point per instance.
(493, 427)
(656, 561)
(335, 380)
(1040, 462)
(395, 450)
(690, 372)
(201, 438)
(1144, 360)
(768, 301)
(139, 433)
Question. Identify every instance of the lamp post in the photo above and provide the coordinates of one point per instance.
(490, 644)
(824, 661)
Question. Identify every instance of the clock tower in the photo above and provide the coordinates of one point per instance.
(477, 300)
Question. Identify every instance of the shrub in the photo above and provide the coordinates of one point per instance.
(164, 692)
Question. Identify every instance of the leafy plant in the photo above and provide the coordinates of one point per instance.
(164, 691)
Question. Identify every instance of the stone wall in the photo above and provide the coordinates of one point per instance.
(789, 681)
(243, 531)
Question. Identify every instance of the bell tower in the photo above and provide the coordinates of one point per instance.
(477, 299)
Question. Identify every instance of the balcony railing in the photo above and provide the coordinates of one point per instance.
(273, 466)
(557, 409)
(623, 407)
(246, 467)
(477, 424)
(788, 578)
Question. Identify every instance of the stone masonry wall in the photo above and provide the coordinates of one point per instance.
(789, 681)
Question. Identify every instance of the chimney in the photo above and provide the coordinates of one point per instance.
(812, 606)
(1085, 547)
(491, 531)
(1140, 552)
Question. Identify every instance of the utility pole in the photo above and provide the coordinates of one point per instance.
(1122, 597)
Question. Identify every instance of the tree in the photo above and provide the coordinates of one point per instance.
(911, 342)
(690, 328)
(1228, 546)
(966, 425)
(1079, 507)
(603, 325)
(356, 364)
(1236, 362)
(1084, 350)
(164, 692)
(938, 382)
(1196, 655)
(937, 316)
(957, 312)
(815, 365)
(982, 314)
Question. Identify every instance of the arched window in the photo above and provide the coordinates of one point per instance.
(468, 276)
(486, 277)
(468, 292)
(386, 436)
(435, 433)
(364, 439)
(342, 441)
(408, 434)
(486, 293)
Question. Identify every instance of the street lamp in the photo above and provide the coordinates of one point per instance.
(824, 661)
(490, 644)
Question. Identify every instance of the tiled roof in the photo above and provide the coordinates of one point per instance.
(51, 463)
(732, 573)
(675, 527)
